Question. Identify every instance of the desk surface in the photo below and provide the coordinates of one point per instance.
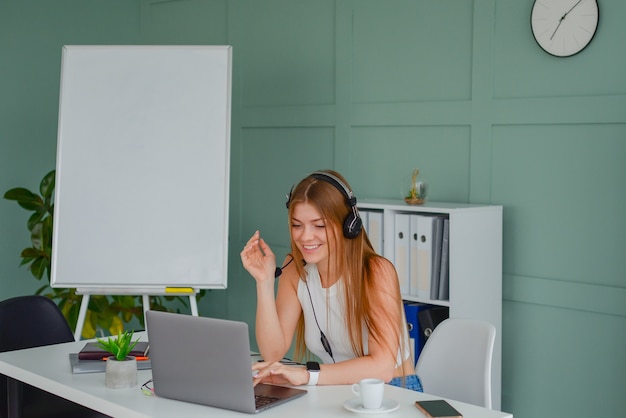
(49, 369)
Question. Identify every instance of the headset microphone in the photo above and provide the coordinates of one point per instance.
(279, 270)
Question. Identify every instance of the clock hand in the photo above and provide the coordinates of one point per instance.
(557, 27)
(572, 8)
(563, 18)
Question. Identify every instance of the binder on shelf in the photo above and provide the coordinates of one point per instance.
(429, 319)
(364, 215)
(444, 274)
(414, 262)
(375, 230)
(437, 239)
(424, 254)
(416, 336)
(401, 250)
(410, 313)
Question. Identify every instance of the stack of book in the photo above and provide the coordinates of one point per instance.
(92, 358)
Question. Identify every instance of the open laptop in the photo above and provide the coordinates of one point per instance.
(207, 361)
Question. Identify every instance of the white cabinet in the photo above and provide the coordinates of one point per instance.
(475, 262)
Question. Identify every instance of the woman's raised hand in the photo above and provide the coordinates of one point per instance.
(258, 259)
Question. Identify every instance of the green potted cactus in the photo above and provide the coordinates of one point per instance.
(121, 346)
(121, 369)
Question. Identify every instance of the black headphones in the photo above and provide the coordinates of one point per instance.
(353, 224)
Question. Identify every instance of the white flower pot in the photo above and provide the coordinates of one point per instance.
(121, 374)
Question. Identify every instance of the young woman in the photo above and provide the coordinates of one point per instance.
(335, 294)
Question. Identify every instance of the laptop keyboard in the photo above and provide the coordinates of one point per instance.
(263, 400)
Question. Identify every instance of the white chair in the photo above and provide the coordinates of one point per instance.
(456, 361)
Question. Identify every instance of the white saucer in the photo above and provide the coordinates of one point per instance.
(355, 405)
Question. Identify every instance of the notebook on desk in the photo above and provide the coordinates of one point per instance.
(94, 366)
(207, 361)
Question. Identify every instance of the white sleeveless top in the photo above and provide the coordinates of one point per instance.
(328, 308)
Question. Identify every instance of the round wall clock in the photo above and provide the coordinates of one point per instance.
(564, 27)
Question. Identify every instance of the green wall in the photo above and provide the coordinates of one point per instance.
(373, 88)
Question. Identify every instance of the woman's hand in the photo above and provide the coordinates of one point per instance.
(280, 374)
(258, 259)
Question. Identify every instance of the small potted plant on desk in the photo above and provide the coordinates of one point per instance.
(121, 369)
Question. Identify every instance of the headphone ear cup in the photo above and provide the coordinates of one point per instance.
(352, 226)
(289, 196)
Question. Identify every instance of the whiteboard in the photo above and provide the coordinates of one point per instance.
(142, 171)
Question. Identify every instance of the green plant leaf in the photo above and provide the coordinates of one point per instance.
(127, 316)
(30, 252)
(71, 313)
(46, 187)
(34, 221)
(105, 318)
(36, 236)
(127, 301)
(46, 235)
(121, 346)
(38, 267)
(26, 260)
(25, 198)
(116, 325)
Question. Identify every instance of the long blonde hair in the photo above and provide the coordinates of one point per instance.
(355, 261)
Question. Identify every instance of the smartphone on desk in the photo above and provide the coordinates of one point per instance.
(438, 408)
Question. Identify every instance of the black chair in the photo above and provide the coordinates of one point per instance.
(27, 322)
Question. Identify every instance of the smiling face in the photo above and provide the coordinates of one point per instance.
(311, 233)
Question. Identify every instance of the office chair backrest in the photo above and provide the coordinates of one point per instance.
(31, 321)
(456, 361)
(27, 322)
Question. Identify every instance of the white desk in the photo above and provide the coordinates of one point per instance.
(48, 368)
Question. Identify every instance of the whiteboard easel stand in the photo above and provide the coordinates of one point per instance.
(145, 296)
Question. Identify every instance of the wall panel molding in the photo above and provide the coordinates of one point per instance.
(412, 114)
(283, 116)
(560, 110)
(577, 296)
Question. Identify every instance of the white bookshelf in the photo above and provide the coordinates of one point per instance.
(475, 262)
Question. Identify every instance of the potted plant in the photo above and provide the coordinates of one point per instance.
(417, 191)
(121, 369)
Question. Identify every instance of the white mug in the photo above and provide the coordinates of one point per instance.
(371, 392)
